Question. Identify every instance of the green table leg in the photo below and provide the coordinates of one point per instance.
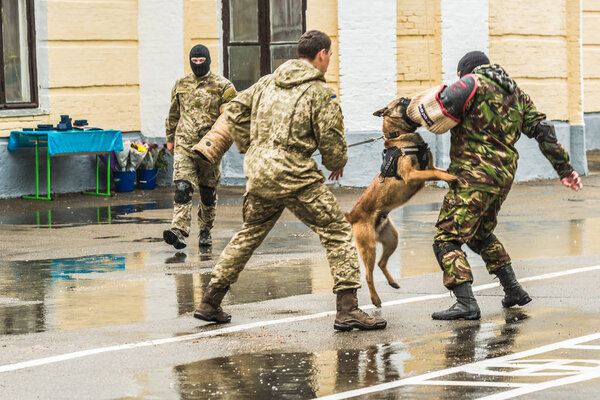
(37, 174)
(97, 192)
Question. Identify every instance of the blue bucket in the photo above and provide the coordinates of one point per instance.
(147, 178)
(124, 181)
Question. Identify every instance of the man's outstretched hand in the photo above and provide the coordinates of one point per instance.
(335, 175)
(573, 181)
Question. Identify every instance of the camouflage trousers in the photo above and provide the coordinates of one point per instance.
(468, 217)
(192, 168)
(318, 209)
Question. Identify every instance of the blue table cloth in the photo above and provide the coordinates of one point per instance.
(68, 142)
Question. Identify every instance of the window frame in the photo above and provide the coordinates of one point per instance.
(264, 35)
(31, 48)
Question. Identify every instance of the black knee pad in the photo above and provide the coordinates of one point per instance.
(208, 195)
(478, 245)
(183, 191)
(440, 248)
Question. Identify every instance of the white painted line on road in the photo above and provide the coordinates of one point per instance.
(260, 324)
(477, 367)
(475, 384)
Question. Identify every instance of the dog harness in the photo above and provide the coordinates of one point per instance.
(389, 167)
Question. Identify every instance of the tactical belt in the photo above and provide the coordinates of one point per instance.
(389, 167)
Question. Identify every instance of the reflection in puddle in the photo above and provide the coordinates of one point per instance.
(288, 375)
(553, 238)
(301, 375)
(70, 217)
(74, 216)
(110, 289)
(83, 292)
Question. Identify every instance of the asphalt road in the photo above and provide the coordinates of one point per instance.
(94, 306)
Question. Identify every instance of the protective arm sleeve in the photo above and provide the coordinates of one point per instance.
(536, 127)
(441, 108)
(329, 131)
(237, 116)
(173, 117)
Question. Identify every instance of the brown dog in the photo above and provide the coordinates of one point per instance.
(369, 217)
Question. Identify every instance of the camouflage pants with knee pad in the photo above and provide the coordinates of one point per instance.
(468, 217)
(318, 209)
(190, 171)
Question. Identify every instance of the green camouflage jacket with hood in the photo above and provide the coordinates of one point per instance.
(279, 123)
(482, 152)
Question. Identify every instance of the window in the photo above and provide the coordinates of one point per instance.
(259, 36)
(18, 85)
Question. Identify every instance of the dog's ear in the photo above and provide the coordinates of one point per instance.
(379, 113)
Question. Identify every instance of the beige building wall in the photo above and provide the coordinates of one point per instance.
(322, 15)
(201, 24)
(419, 33)
(93, 65)
(533, 48)
(591, 55)
(93, 62)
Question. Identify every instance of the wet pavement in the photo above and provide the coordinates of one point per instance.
(90, 294)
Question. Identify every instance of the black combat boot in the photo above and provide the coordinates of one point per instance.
(175, 238)
(349, 316)
(210, 308)
(513, 292)
(465, 307)
(204, 239)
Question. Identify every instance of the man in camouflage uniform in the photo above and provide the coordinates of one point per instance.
(491, 112)
(196, 102)
(279, 123)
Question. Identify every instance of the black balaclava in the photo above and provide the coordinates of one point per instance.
(200, 51)
(470, 61)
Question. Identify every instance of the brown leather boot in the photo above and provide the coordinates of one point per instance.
(349, 316)
(210, 308)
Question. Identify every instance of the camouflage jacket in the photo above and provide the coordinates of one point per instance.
(279, 122)
(482, 152)
(195, 104)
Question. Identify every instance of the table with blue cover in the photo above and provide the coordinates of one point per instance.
(63, 143)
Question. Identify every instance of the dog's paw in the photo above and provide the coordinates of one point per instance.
(376, 301)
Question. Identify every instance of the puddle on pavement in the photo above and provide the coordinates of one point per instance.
(552, 238)
(70, 217)
(104, 290)
(301, 375)
(78, 216)
(84, 292)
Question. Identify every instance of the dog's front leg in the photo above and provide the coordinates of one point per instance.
(417, 176)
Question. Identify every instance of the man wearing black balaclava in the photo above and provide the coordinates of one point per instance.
(196, 103)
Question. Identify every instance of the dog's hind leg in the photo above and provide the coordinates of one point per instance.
(364, 234)
(387, 235)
